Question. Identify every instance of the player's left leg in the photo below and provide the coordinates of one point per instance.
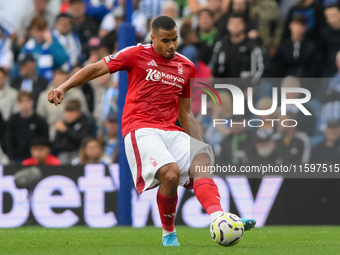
(206, 190)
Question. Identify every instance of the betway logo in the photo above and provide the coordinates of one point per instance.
(155, 75)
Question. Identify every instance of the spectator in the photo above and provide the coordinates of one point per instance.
(237, 147)
(47, 51)
(98, 9)
(83, 25)
(110, 136)
(8, 96)
(330, 39)
(268, 128)
(91, 152)
(313, 12)
(111, 22)
(206, 34)
(2, 129)
(306, 122)
(71, 131)
(265, 151)
(69, 40)
(40, 9)
(6, 54)
(240, 7)
(237, 55)
(22, 128)
(266, 16)
(51, 113)
(29, 80)
(328, 151)
(292, 146)
(214, 135)
(329, 95)
(196, 6)
(189, 37)
(151, 8)
(40, 152)
(297, 55)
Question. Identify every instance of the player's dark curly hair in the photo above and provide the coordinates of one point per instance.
(163, 22)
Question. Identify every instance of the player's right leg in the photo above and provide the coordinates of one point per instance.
(167, 198)
(151, 165)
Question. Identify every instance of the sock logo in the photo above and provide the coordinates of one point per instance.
(170, 215)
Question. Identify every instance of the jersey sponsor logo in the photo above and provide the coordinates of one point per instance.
(152, 63)
(155, 75)
(180, 68)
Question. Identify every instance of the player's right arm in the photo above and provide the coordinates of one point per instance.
(84, 75)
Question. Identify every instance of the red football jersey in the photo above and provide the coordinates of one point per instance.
(155, 85)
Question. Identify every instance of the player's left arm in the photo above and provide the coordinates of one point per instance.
(187, 118)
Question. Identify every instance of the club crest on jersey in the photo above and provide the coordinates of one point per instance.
(180, 68)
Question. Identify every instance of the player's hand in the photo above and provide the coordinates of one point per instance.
(56, 96)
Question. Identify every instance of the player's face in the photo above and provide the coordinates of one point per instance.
(165, 42)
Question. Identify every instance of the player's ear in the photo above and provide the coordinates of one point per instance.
(152, 37)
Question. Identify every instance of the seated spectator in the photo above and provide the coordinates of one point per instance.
(268, 128)
(8, 96)
(330, 38)
(292, 146)
(189, 37)
(237, 55)
(313, 11)
(4, 160)
(51, 113)
(6, 54)
(237, 147)
(306, 122)
(297, 55)
(69, 40)
(265, 151)
(2, 128)
(328, 151)
(40, 152)
(29, 80)
(85, 26)
(110, 136)
(266, 16)
(329, 95)
(47, 51)
(22, 128)
(206, 34)
(215, 135)
(91, 152)
(71, 131)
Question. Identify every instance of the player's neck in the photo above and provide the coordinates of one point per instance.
(160, 55)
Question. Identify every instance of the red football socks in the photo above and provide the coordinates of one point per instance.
(207, 194)
(167, 211)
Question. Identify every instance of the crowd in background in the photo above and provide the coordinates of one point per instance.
(44, 42)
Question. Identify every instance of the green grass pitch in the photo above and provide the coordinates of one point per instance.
(127, 240)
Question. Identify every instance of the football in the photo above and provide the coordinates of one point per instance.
(227, 229)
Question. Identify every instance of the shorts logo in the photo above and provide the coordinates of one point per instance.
(180, 68)
(153, 162)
